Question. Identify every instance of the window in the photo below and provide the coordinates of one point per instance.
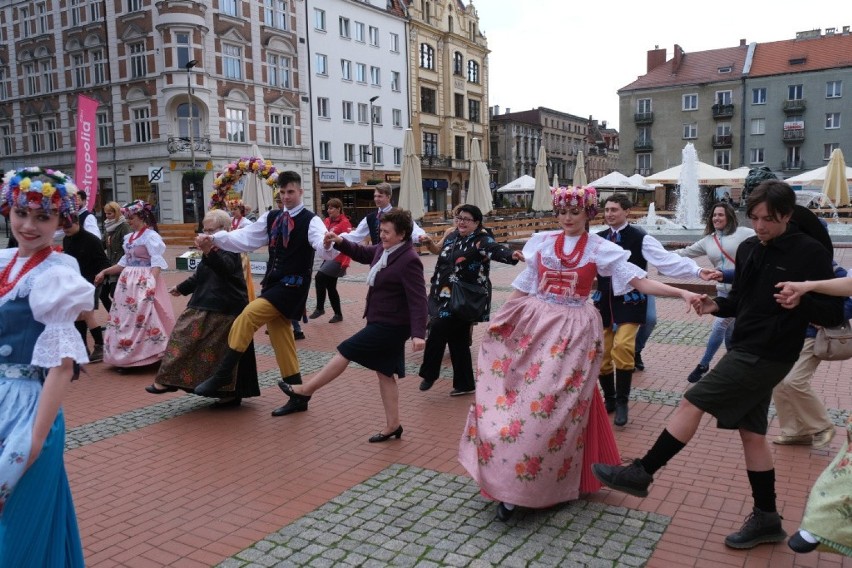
(232, 61)
(473, 71)
(397, 156)
(185, 121)
(47, 76)
(643, 134)
(427, 100)
(104, 137)
(832, 120)
(758, 96)
(794, 157)
(374, 36)
(27, 24)
(827, 149)
(375, 76)
(690, 131)
(430, 144)
(141, 125)
(32, 85)
(756, 156)
(280, 130)
(347, 111)
(395, 81)
(319, 21)
(275, 14)
(322, 64)
(235, 124)
(349, 153)
(182, 50)
(361, 72)
(363, 113)
(458, 106)
(278, 70)
(346, 69)
(325, 151)
(643, 162)
(4, 86)
(473, 110)
(723, 129)
(458, 63)
(35, 136)
(51, 135)
(78, 12)
(723, 159)
(78, 65)
(359, 32)
(459, 147)
(344, 27)
(397, 117)
(377, 115)
(99, 66)
(690, 102)
(394, 42)
(8, 140)
(758, 126)
(427, 56)
(724, 97)
(794, 92)
(364, 153)
(380, 155)
(643, 105)
(95, 11)
(229, 7)
(834, 89)
(322, 107)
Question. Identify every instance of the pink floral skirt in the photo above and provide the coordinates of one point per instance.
(538, 422)
(140, 320)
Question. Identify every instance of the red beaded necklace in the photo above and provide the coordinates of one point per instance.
(235, 223)
(572, 259)
(135, 236)
(5, 285)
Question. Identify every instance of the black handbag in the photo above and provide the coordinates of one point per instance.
(332, 268)
(468, 301)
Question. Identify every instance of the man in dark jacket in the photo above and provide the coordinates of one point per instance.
(89, 252)
(766, 343)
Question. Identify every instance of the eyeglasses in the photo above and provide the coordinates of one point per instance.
(464, 219)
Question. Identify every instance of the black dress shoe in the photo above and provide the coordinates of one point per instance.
(316, 314)
(297, 403)
(152, 388)
(426, 385)
(798, 543)
(503, 513)
(385, 437)
(297, 335)
(638, 364)
(231, 403)
(287, 389)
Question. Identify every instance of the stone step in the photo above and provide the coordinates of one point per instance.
(179, 234)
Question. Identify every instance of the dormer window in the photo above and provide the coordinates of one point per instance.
(727, 69)
(798, 60)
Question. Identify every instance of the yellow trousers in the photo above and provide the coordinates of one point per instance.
(619, 348)
(258, 313)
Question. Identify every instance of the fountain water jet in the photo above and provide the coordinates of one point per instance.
(689, 212)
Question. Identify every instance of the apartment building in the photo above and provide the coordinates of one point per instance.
(183, 87)
(515, 139)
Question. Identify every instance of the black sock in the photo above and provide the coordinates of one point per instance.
(97, 335)
(664, 449)
(763, 489)
(81, 329)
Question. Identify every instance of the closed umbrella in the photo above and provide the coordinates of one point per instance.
(580, 170)
(411, 179)
(542, 201)
(478, 192)
(257, 195)
(836, 186)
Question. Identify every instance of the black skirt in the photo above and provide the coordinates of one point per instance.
(379, 347)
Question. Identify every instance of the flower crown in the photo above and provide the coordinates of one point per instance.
(23, 188)
(583, 197)
(135, 208)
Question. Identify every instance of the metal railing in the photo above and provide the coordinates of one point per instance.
(796, 105)
(723, 141)
(723, 111)
(178, 144)
(643, 117)
(643, 145)
(789, 165)
(797, 135)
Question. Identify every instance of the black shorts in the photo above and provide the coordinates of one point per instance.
(738, 390)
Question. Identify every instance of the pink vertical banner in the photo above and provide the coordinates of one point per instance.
(86, 173)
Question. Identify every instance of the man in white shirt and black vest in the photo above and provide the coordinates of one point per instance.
(626, 313)
(369, 225)
(293, 234)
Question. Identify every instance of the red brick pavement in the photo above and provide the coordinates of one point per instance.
(195, 489)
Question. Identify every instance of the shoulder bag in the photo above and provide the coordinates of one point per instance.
(833, 343)
(467, 300)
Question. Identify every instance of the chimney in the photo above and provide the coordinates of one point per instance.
(845, 30)
(496, 110)
(603, 124)
(742, 42)
(656, 57)
(677, 59)
(508, 110)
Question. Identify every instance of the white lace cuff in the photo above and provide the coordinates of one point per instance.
(622, 274)
(56, 342)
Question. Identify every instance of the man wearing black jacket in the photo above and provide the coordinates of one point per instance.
(766, 343)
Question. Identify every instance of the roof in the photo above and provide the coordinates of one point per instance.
(812, 54)
(517, 117)
(694, 69)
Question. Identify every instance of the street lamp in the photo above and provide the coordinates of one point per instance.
(372, 136)
(195, 205)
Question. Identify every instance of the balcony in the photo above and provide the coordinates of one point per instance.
(180, 145)
(643, 145)
(643, 117)
(723, 111)
(723, 140)
(796, 136)
(792, 165)
(794, 106)
(436, 161)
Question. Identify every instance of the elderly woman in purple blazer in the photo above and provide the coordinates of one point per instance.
(396, 310)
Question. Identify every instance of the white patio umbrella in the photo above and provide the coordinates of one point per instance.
(257, 195)
(707, 175)
(411, 179)
(542, 200)
(836, 186)
(614, 180)
(555, 180)
(815, 177)
(580, 170)
(478, 190)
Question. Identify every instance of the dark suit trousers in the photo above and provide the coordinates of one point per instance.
(456, 334)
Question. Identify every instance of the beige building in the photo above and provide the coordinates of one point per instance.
(448, 70)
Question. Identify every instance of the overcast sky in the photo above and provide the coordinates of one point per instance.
(573, 56)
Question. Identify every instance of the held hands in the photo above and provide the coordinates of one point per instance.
(331, 238)
(418, 343)
(99, 277)
(174, 291)
(703, 304)
(518, 255)
(790, 294)
(201, 240)
(708, 275)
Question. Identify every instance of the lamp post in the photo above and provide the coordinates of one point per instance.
(372, 136)
(195, 205)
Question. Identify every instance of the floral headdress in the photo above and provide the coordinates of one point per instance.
(136, 208)
(40, 187)
(582, 197)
